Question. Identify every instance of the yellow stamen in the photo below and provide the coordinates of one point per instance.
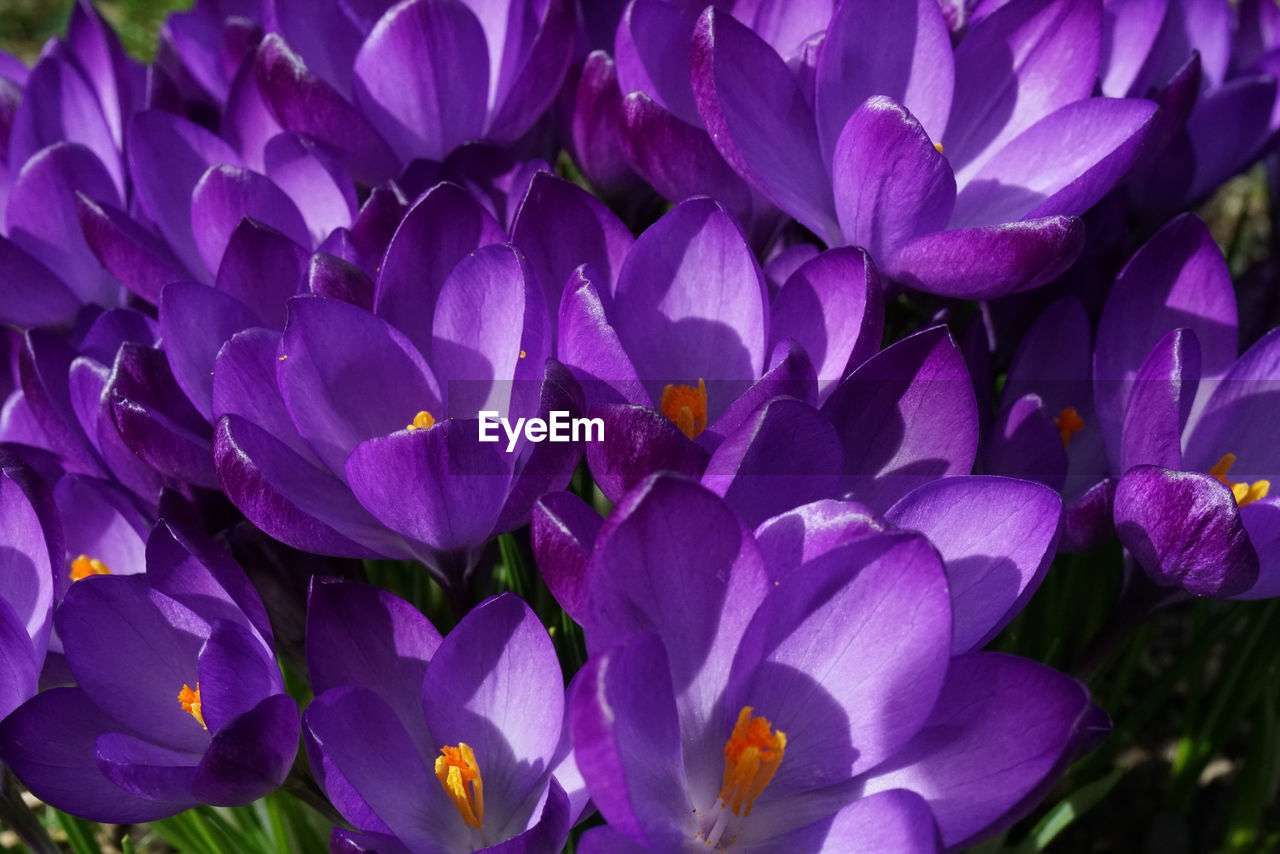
(1069, 423)
(84, 566)
(421, 421)
(751, 757)
(687, 406)
(523, 354)
(938, 146)
(1245, 493)
(455, 768)
(190, 701)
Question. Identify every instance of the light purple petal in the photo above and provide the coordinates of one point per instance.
(227, 194)
(564, 531)
(1160, 402)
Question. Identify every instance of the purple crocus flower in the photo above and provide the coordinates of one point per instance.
(31, 542)
(177, 698)
(354, 436)
(772, 700)
(431, 745)
(960, 174)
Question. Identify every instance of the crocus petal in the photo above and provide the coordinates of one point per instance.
(760, 121)
(361, 735)
(1184, 528)
(791, 375)
(796, 537)
(549, 832)
(441, 229)
(141, 261)
(347, 375)
(326, 34)
(652, 49)
(1015, 67)
(1090, 521)
(196, 321)
(244, 384)
(1177, 279)
(588, 344)
(32, 294)
(626, 736)
(639, 441)
(1002, 726)
(529, 63)
(997, 536)
(167, 155)
(227, 194)
(564, 532)
(1262, 522)
(785, 455)
(310, 176)
(1133, 26)
(596, 126)
(439, 486)
(236, 672)
(1025, 442)
(305, 103)
(1232, 419)
(132, 649)
(329, 275)
(690, 304)
(42, 217)
(491, 335)
(442, 104)
(640, 572)
(560, 226)
(831, 306)
(896, 820)
(343, 841)
(905, 417)
(899, 49)
(49, 742)
(891, 185)
(262, 268)
(989, 261)
(1246, 106)
(250, 756)
(495, 683)
(1061, 165)
(1160, 402)
(19, 669)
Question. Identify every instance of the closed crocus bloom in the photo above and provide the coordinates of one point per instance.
(748, 716)
(960, 176)
(30, 539)
(177, 700)
(428, 745)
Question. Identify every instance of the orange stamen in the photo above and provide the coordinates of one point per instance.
(84, 566)
(421, 421)
(751, 757)
(1069, 423)
(455, 768)
(1245, 493)
(190, 700)
(686, 406)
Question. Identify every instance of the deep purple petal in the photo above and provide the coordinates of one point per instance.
(30, 293)
(1160, 402)
(261, 267)
(639, 441)
(227, 194)
(564, 532)
(196, 321)
(250, 756)
(1233, 419)
(131, 253)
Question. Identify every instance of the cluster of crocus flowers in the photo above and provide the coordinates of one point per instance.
(262, 289)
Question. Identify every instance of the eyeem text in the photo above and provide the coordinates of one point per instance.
(559, 427)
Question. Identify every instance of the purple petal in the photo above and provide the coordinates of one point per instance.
(1132, 27)
(760, 121)
(997, 536)
(528, 58)
(652, 49)
(227, 194)
(785, 455)
(588, 344)
(196, 321)
(346, 376)
(49, 742)
(832, 307)
(331, 276)
(1233, 417)
(1160, 402)
(890, 49)
(306, 104)
(316, 182)
(1177, 279)
(442, 103)
(990, 261)
(1262, 522)
(850, 650)
(1014, 68)
(439, 486)
(690, 304)
(19, 666)
(1184, 528)
(564, 531)
(261, 268)
(1247, 106)
(236, 673)
(595, 132)
(891, 185)
(167, 156)
(141, 261)
(791, 375)
(559, 227)
(250, 756)
(905, 417)
(99, 521)
(1089, 522)
(794, 538)
(441, 229)
(42, 217)
(1061, 165)
(639, 441)
(32, 294)
(627, 741)
(244, 384)
(897, 820)
(1003, 727)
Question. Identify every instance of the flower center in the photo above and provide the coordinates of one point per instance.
(687, 406)
(84, 566)
(1245, 493)
(190, 700)
(421, 421)
(455, 768)
(1069, 423)
(751, 757)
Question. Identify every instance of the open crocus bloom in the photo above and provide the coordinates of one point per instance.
(177, 701)
(961, 174)
(428, 745)
(780, 705)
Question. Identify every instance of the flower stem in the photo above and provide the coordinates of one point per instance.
(18, 816)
